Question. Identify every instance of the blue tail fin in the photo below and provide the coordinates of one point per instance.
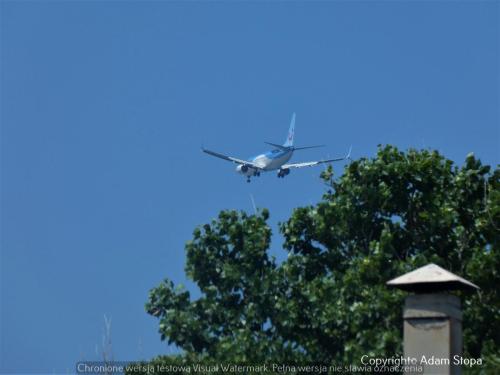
(291, 133)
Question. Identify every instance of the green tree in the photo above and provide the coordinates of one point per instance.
(328, 302)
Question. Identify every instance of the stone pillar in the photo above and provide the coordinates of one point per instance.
(433, 318)
(433, 331)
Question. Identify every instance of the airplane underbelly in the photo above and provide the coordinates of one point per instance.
(273, 164)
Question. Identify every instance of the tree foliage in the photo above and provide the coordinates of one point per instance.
(328, 301)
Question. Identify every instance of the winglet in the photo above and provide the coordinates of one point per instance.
(348, 156)
(291, 132)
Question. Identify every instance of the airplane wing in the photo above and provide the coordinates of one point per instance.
(309, 163)
(231, 159)
(314, 163)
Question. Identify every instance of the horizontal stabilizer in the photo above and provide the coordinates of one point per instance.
(277, 146)
(306, 147)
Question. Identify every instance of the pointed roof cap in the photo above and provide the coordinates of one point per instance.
(431, 278)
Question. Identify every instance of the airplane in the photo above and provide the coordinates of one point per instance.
(275, 159)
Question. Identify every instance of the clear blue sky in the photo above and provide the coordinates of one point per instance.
(104, 105)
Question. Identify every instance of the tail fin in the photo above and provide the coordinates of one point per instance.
(291, 132)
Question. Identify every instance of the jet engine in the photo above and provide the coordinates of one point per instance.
(283, 172)
(245, 170)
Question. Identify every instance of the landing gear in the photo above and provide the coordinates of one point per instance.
(248, 172)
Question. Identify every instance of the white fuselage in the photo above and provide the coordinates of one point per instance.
(268, 161)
